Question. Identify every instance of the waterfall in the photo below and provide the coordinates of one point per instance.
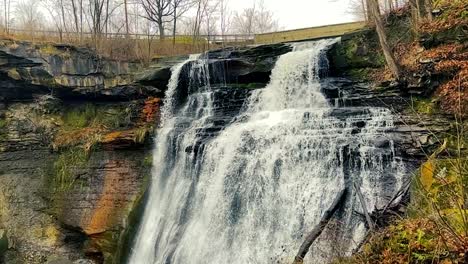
(249, 191)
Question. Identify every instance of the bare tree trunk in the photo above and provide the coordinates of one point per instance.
(389, 57)
(390, 5)
(196, 31)
(6, 16)
(63, 15)
(428, 5)
(75, 15)
(127, 31)
(364, 10)
(174, 28)
(161, 31)
(315, 233)
(364, 207)
(81, 20)
(7, 4)
(368, 13)
(106, 22)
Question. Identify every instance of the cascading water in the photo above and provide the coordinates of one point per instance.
(250, 193)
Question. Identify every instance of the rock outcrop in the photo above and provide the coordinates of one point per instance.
(75, 150)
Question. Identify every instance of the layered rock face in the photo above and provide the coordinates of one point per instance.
(75, 151)
(76, 138)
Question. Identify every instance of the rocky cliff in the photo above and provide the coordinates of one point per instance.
(75, 150)
(76, 137)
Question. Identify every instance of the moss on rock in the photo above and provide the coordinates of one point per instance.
(355, 55)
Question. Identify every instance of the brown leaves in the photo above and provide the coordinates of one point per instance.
(450, 63)
(444, 52)
(454, 93)
(454, 13)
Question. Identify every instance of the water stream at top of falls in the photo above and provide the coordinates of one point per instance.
(250, 191)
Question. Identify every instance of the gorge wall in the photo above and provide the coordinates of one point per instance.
(76, 136)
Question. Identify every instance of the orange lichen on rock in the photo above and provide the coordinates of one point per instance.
(112, 136)
(125, 138)
(150, 110)
(86, 136)
(112, 200)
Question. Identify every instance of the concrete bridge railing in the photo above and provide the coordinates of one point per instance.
(310, 33)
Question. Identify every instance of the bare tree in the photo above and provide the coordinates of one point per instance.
(421, 9)
(126, 18)
(62, 12)
(210, 18)
(179, 8)
(96, 11)
(264, 19)
(201, 7)
(75, 15)
(28, 15)
(159, 12)
(6, 9)
(255, 19)
(244, 22)
(55, 15)
(225, 17)
(81, 20)
(373, 5)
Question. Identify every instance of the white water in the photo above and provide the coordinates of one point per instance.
(260, 185)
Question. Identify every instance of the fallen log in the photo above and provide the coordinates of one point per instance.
(315, 233)
(364, 206)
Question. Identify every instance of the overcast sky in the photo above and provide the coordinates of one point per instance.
(303, 13)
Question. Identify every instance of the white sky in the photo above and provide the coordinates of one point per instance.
(303, 13)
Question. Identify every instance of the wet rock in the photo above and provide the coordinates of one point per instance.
(48, 104)
(84, 261)
(158, 73)
(3, 243)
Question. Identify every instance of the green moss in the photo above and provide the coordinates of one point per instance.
(134, 220)
(107, 243)
(425, 106)
(148, 161)
(79, 117)
(3, 242)
(3, 126)
(94, 115)
(64, 175)
(357, 55)
(360, 74)
(255, 85)
(3, 123)
(48, 49)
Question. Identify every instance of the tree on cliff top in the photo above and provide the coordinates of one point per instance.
(159, 12)
(373, 6)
